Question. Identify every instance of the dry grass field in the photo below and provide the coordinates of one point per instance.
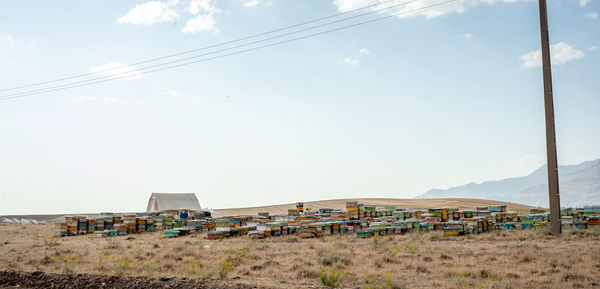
(500, 259)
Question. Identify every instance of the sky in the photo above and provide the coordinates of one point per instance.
(427, 98)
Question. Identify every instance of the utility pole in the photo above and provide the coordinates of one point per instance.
(553, 193)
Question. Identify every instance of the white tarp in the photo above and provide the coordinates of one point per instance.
(173, 201)
(19, 221)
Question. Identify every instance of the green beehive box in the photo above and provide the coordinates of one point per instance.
(364, 233)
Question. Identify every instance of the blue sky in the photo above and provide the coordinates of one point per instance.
(432, 99)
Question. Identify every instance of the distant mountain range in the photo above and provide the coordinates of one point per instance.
(579, 185)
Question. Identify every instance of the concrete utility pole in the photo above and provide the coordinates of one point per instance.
(553, 193)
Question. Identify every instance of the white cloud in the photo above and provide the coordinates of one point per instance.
(354, 60)
(559, 53)
(405, 11)
(592, 48)
(150, 13)
(254, 3)
(172, 94)
(81, 99)
(583, 3)
(109, 99)
(118, 70)
(8, 39)
(133, 100)
(202, 5)
(591, 15)
(467, 36)
(349, 61)
(203, 22)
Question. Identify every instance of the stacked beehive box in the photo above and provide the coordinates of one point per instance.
(167, 221)
(99, 224)
(140, 224)
(352, 208)
(81, 225)
(130, 223)
(150, 224)
(108, 221)
(61, 229)
(121, 229)
(300, 207)
(90, 225)
(71, 225)
(593, 221)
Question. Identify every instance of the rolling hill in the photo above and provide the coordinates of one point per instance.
(380, 202)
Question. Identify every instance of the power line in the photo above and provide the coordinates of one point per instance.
(234, 53)
(205, 47)
(124, 73)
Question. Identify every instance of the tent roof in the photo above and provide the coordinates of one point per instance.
(173, 201)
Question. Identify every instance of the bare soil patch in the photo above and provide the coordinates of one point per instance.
(31, 280)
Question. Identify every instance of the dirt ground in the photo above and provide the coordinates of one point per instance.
(500, 259)
(31, 280)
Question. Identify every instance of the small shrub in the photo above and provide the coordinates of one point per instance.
(422, 269)
(237, 256)
(264, 265)
(486, 274)
(224, 269)
(123, 264)
(334, 259)
(11, 267)
(377, 281)
(412, 248)
(376, 241)
(526, 259)
(200, 269)
(333, 278)
(445, 257)
(46, 260)
(52, 242)
(139, 250)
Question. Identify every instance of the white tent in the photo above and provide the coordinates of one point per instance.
(173, 201)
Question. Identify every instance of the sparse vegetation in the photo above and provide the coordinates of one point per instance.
(224, 269)
(413, 260)
(52, 242)
(333, 277)
(123, 264)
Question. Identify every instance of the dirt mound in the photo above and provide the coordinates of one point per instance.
(32, 280)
